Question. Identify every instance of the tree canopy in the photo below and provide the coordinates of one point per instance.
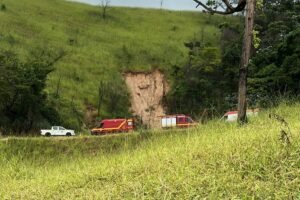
(23, 101)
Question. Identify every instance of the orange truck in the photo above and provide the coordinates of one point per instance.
(108, 126)
(179, 120)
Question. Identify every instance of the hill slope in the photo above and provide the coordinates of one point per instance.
(215, 161)
(98, 49)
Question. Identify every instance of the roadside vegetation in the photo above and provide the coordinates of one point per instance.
(215, 160)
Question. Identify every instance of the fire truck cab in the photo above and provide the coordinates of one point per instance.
(108, 126)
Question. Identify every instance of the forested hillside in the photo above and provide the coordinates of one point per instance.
(89, 49)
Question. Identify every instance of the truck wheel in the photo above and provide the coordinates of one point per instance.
(48, 134)
(68, 134)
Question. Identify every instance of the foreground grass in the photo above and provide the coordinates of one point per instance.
(216, 160)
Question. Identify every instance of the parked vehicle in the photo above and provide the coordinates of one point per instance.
(180, 121)
(57, 131)
(231, 116)
(108, 126)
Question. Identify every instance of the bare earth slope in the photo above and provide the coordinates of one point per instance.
(147, 91)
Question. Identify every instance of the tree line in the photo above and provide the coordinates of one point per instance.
(23, 101)
(208, 85)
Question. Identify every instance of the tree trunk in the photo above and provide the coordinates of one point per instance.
(247, 44)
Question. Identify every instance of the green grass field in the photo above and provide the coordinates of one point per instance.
(97, 49)
(215, 161)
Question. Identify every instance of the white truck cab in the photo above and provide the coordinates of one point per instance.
(232, 116)
(57, 131)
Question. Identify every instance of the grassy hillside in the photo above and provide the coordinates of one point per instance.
(215, 161)
(97, 49)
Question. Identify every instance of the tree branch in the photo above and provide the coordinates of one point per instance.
(229, 10)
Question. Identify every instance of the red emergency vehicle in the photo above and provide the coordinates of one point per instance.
(179, 120)
(108, 126)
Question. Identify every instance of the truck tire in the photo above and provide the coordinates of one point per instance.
(48, 134)
(68, 134)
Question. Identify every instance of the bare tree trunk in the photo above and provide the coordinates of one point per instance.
(58, 87)
(104, 5)
(247, 44)
(101, 92)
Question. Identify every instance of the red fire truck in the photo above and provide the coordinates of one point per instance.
(180, 121)
(108, 126)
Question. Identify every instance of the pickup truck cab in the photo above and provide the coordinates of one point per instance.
(57, 131)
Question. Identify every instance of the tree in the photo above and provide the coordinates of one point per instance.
(230, 8)
(275, 68)
(197, 83)
(102, 90)
(161, 4)
(23, 101)
(104, 5)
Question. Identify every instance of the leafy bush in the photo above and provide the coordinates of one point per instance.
(3, 7)
(23, 101)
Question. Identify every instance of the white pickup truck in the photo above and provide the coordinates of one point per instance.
(57, 131)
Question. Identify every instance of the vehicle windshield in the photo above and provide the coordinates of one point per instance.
(61, 128)
(100, 125)
(190, 120)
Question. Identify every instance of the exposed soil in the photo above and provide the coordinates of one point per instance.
(90, 116)
(147, 91)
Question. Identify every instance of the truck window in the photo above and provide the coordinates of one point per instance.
(189, 120)
(100, 125)
(55, 128)
(61, 128)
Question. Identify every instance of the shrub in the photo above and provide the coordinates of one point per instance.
(3, 7)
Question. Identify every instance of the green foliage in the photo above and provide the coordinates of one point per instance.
(274, 70)
(277, 70)
(193, 83)
(276, 20)
(214, 161)
(256, 39)
(274, 67)
(23, 103)
(259, 4)
(207, 83)
(2, 7)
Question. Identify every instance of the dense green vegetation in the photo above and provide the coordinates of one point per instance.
(210, 83)
(23, 102)
(217, 160)
(275, 69)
